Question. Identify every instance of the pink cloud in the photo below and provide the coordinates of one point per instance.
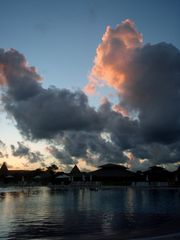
(113, 55)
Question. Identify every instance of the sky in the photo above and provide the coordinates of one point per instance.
(67, 42)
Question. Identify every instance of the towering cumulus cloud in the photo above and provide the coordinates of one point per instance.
(113, 55)
(144, 128)
(147, 79)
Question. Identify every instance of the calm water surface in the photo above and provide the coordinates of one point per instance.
(43, 213)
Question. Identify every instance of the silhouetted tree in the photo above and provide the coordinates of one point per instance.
(52, 168)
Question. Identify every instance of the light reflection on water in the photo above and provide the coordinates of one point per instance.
(41, 212)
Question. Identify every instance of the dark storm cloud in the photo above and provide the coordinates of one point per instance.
(94, 147)
(158, 153)
(24, 151)
(51, 111)
(124, 131)
(147, 79)
(22, 80)
(41, 113)
(60, 154)
(151, 89)
(104, 144)
(46, 113)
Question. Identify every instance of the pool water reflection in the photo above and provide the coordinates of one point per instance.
(43, 213)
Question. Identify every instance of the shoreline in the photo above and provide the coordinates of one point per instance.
(16, 188)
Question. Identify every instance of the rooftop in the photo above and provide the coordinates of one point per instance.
(113, 166)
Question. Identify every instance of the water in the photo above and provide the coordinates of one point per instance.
(43, 213)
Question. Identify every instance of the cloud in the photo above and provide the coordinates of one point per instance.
(41, 113)
(2, 144)
(95, 148)
(154, 153)
(146, 79)
(112, 56)
(3, 150)
(60, 154)
(54, 113)
(24, 151)
(145, 122)
(22, 80)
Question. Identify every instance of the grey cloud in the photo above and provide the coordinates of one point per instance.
(94, 147)
(24, 151)
(52, 111)
(20, 151)
(63, 156)
(22, 80)
(65, 117)
(153, 89)
(158, 153)
(41, 113)
(3, 150)
(2, 145)
(124, 131)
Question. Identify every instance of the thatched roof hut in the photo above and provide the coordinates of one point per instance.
(157, 174)
(4, 170)
(75, 172)
(113, 173)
